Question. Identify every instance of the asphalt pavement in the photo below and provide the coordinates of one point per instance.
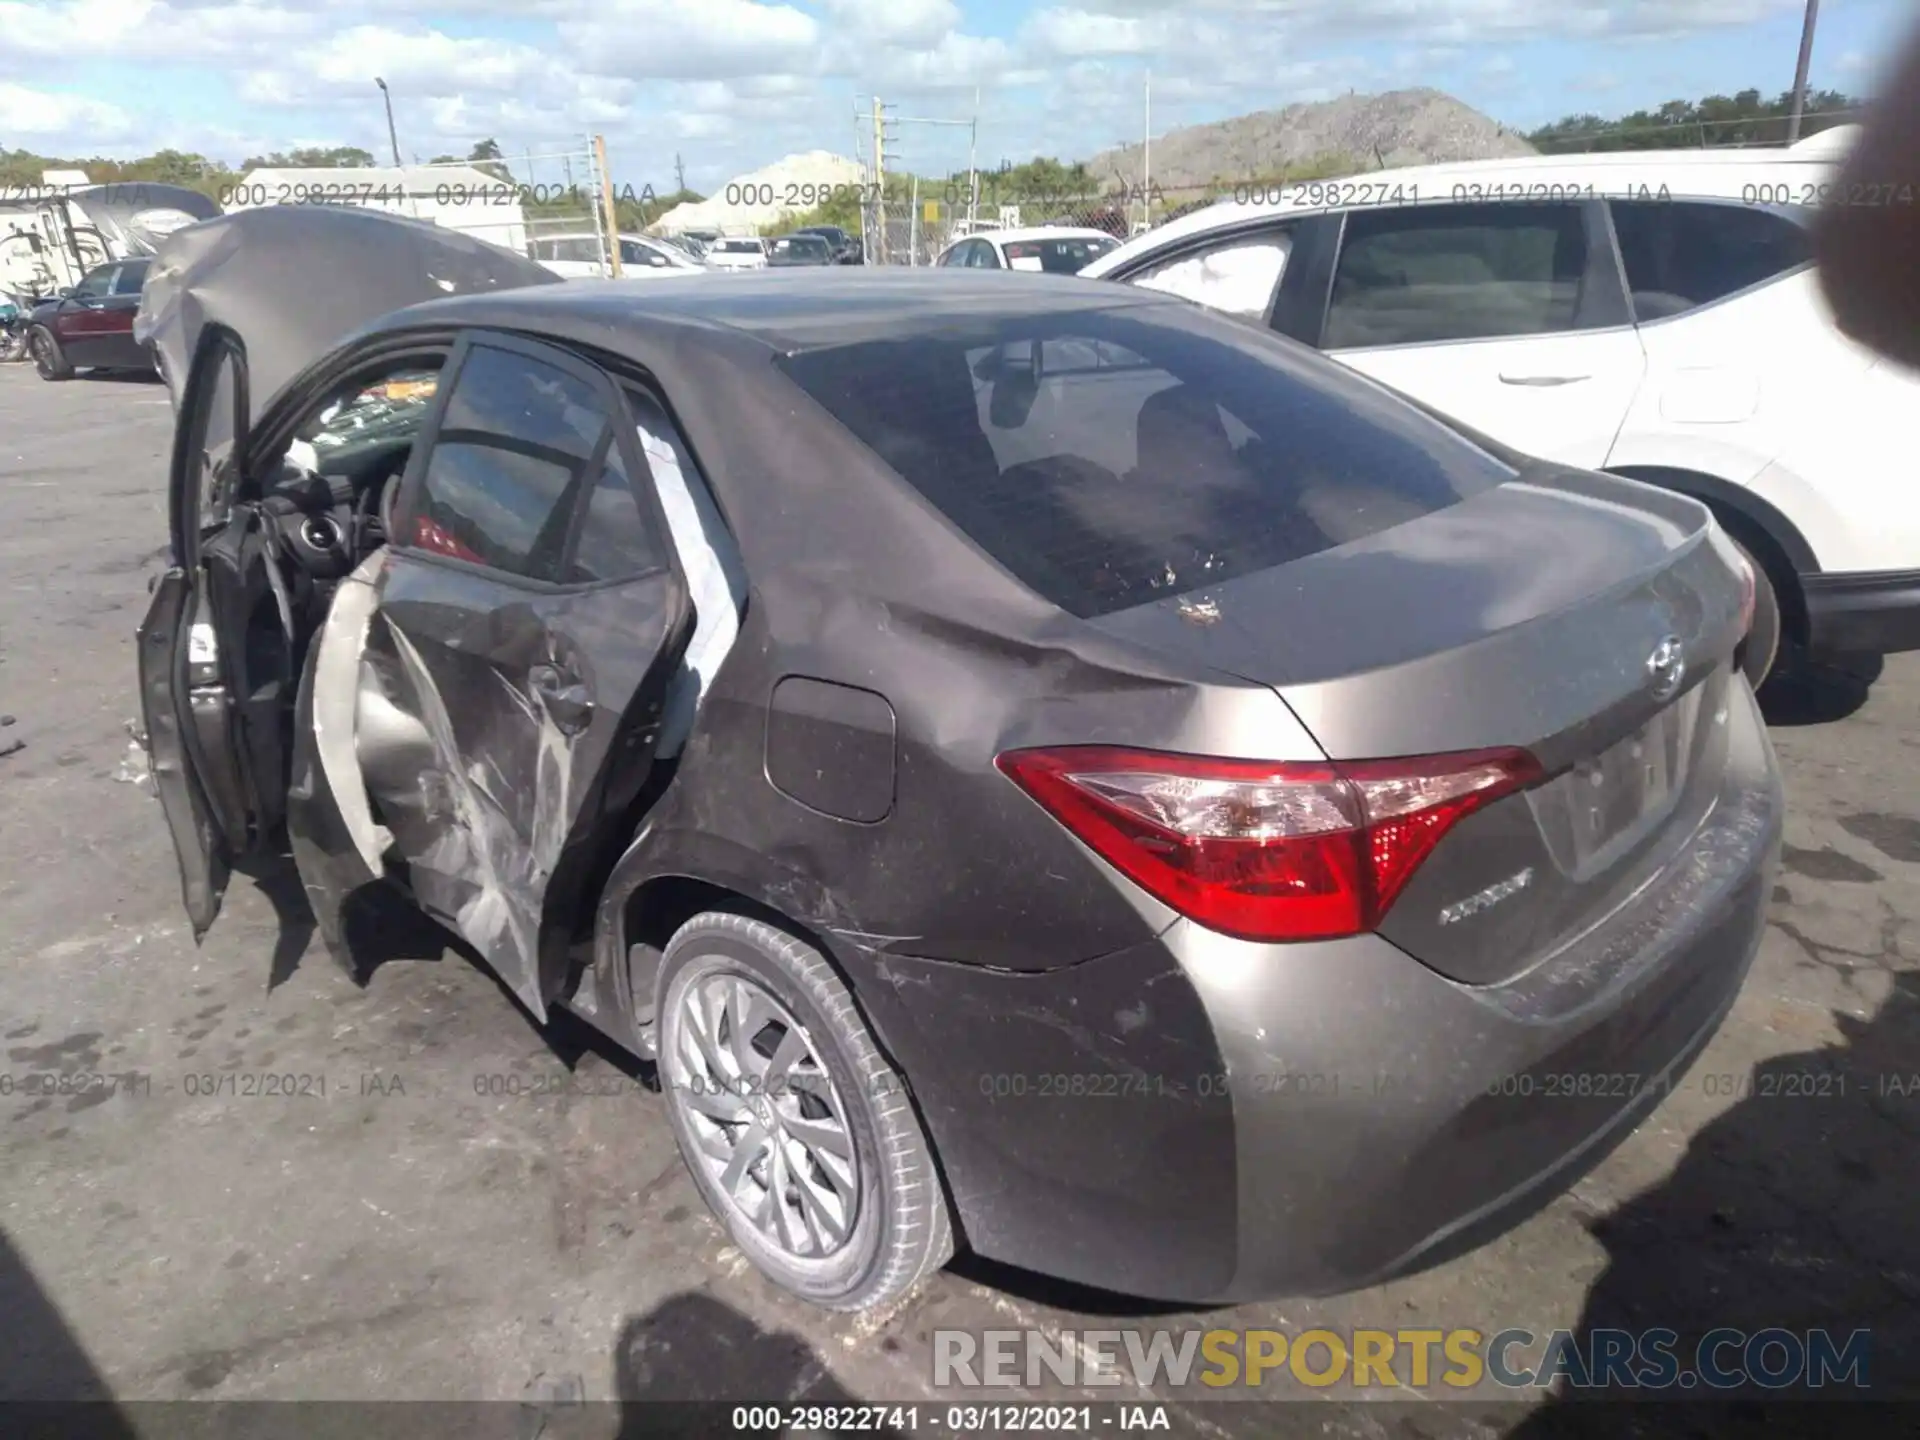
(316, 1191)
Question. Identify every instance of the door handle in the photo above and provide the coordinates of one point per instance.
(1543, 380)
(564, 697)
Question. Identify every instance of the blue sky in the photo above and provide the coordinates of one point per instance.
(728, 85)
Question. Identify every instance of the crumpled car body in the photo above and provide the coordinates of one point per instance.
(1137, 716)
(298, 279)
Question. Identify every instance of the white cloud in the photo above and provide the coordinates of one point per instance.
(26, 112)
(906, 23)
(734, 83)
(702, 40)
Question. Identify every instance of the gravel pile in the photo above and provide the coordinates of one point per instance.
(1402, 127)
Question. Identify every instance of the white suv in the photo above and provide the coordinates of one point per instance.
(1653, 314)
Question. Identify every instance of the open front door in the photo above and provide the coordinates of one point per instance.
(531, 616)
(200, 696)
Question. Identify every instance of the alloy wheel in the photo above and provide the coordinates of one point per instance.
(769, 1124)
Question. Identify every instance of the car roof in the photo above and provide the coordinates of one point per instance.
(787, 310)
(1722, 174)
(1042, 232)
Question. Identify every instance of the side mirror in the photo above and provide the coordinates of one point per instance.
(65, 292)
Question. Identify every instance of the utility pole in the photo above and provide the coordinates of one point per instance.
(611, 235)
(679, 174)
(1800, 71)
(880, 178)
(973, 170)
(1146, 157)
(393, 137)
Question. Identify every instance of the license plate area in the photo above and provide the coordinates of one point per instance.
(1607, 803)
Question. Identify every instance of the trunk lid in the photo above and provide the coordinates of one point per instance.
(1587, 619)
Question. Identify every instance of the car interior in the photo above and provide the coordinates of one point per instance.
(323, 505)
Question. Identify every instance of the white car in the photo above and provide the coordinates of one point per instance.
(1057, 249)
(737, 252)
(578, 256)
(1652, 314)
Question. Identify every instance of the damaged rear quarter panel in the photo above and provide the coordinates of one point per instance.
(854, 580)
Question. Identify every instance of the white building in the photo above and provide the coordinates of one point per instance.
(748, 203)
(456, 197)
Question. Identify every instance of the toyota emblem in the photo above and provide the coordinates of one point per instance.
(1667, 667)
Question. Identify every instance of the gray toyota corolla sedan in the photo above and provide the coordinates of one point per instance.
(1038, 766)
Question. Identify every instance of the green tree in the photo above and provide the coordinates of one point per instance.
(314, 157)
(488, 160)
(20, 170)
(1745, 118)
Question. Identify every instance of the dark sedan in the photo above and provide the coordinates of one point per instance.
(91, 325)
(1038, 765)
(847, 249)
(788, 250)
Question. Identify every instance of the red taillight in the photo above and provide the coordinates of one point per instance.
(1265, 850)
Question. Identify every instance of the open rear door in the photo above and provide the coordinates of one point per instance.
(197, 705)
(531, 618)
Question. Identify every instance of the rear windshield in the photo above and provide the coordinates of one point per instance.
(1056, 257)
(1114, 457)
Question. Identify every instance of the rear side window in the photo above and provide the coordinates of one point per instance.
(1238, 278)
(512, 450)
(1456, 272)
(96, 283)
(1682, 254)
(1110, 458)
(616, 542)
(1056, 257)
(131, 278)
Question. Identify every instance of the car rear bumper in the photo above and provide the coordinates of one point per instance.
(1873, 612)
(1202, 1119)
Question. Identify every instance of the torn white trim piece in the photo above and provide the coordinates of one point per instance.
(336, 703)
(716, 580)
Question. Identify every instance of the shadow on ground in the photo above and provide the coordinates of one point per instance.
(1793, 1211)
(694, 1350)
(383, 926)
(48, 1384)
(1809, 691)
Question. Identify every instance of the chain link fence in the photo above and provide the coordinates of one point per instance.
(914, 230)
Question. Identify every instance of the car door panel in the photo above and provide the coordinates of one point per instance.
(118, 347)
(198, 685)
(497, 712)
(83, 321)
(1560, 391)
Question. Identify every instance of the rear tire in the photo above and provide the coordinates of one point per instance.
(847, 1209)
(48, 358)
(1759, 652)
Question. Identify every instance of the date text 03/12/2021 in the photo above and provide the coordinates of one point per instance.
(933, 1418)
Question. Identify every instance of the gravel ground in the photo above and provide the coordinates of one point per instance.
(408, 1236)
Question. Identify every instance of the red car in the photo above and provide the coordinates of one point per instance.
(91, 325)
